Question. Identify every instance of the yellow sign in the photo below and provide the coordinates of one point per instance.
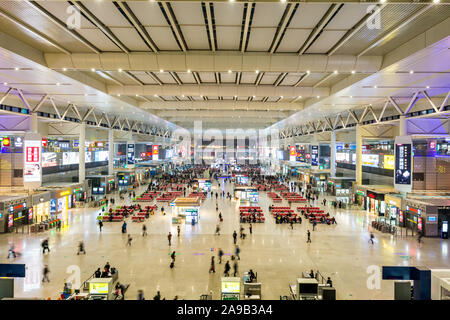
(64, 193)
(231, 287)
(389, 162)
(98, 288)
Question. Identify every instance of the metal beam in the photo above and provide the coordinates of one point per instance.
(101, 26)
(168, 12)
(246, 26)
(210, 26)
(285, 19)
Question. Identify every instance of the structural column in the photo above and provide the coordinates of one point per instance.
(81, 153)
(358, 168)
(403, 130)
(333, 154)
(111, 152)
(34, 122)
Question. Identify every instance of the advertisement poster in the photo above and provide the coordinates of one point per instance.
(101, 156)
(370, 160)
(130, 153)
(69, 158)
(292, 153)
(389, 161)
(49, 159)
(403, 164)
(32, 164)
(314, 155)
(155, 150)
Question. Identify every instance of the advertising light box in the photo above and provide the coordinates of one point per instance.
(370, 160)
(231, 287)
(49, 159)
(155, 151)
(403, 164)
(389, 161)
(32, 161)
(98, 288)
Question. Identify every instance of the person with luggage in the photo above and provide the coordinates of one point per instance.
(45, 246)
(212, 268)
(81, 248)
(371, 238)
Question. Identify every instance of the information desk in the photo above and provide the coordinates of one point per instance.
(187, 209)
(101, 288)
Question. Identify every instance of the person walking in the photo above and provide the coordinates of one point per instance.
(292, 224)
(140, 295)
(45, 273)
(314, 225)
(169, 237)
(419, 238)
(212, 268)
(309, 237)
(124, 227)
(234, 236)
(218, 230)
(250, 228)
(12, 252)
(45, 246)
(172, 256)
(237, 251)
(235, 268)
(371, 238)
(100, 225)
(220, 217)
(144, 230)
(178, 230)
(226, 271)
(220, 255)
(81, 248)
(129, 240)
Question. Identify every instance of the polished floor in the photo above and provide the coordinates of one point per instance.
(278, 254)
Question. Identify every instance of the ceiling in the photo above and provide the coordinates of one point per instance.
(227, 64)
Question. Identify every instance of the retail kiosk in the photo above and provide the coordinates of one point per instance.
(230, 288)
(101, 288)
(202, 185)
(187, 209)
(14, 212)
(246, 194)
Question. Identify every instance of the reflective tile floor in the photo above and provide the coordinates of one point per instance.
(278, 254)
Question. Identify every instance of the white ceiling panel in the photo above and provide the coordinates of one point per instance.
(242, 98)
(272, 99)
(348, 16)
(196, 37)
(190, 13)
(227, 14)
(186, 77)
(98, 38)
(213, 98)
(228, 77)
(165, 77)
(130, 38)
(325, 41)
(148, 13)
(228, 98)
(107, 13)
(228, 38)
(269, 78)
(308, 15)
(248, 77)
(260, 39)
(163, 38)
(293, 40)
(312, 79)
(144, 77)
(268, 14)
(291, 79)
(169, 98)
(59, 9)
(207, 77)
(122, 77)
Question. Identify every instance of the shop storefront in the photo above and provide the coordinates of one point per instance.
(187, 209)
(375, 203)
(341, 188)
(60, 204)
(14, 212)
(428, 216)
(41, 207)
(395, 210)
(360, 198)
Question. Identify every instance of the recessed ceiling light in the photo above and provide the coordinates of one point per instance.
(93, 69)
(256, 71)
(182, 95)
(137, 95)
(254, 97)
(57, 83)
(68, 102)
(201, 96)
(155, 95)
(5, 83)
(335, 72)
(235, 96)
(308, 72)
(118, 94)
(318, 97)
(161, 70)
(231, 0)
(120, 70)
(281, 97)
(382, 1)
(428, 87)
(299, 97)
(283, 1)
(189, 70)
(85, 94)
(229, 71)
(411, 72)
(375, 87)
(351, 96)
(64, 69)
(436, 1)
